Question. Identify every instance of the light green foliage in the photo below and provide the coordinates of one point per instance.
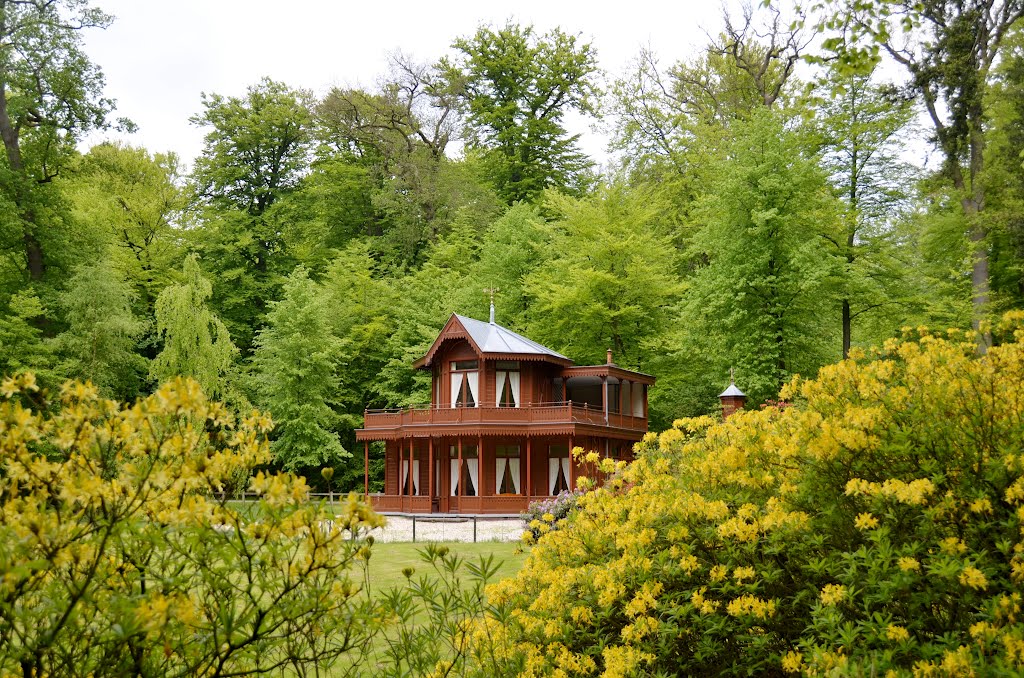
(610, 279)
(195, 342)
(22, 346)
(517, 86)
(863, 129)
(760, 301)
(132, 197)
(296, 368)
(100, 344)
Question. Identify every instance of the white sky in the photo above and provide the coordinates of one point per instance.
(160, 55)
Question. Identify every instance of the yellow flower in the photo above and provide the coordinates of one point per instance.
(908, 564)
(952, 546)
(973, 577)
(548, 518)
(741, 573)
(981, 506)
(832, 594)
(897, 633)
(866, 521)
(718, 572)
(792, 662)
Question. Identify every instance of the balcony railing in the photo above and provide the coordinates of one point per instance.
(544, 413)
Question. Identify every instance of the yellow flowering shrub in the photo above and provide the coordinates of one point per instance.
(118, 558)
(874, 527)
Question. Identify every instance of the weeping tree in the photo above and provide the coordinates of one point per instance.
(195, 342)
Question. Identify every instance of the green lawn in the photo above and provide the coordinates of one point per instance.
(388, 560)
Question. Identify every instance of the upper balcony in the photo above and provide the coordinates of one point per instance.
(540, 418)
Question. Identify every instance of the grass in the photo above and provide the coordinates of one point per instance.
(389, 559)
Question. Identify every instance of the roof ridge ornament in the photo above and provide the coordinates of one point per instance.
(491, 291)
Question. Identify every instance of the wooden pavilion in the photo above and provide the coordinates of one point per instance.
(504, 414)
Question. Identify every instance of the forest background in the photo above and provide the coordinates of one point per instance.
(762, 215)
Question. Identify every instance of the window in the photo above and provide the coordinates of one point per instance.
(558, 469)
(465, 383)
(506, 384)
(469, 477)
(506, 469)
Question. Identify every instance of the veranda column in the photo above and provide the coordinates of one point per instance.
(458, 485)
(414, 482)
(604, 398)
(480, 466)
(430, 471)
(366, 470)
(526, 485)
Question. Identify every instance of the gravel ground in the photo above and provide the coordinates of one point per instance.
(399, 529)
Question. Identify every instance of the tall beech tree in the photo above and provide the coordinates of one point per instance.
(517, 86)
(256, 152)
(948, 49)
(50, 94)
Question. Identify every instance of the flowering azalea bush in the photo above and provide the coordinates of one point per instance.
(116, 558)
(874, 527)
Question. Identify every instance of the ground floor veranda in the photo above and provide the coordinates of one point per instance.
(480, 475)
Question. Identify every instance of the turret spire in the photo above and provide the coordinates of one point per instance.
(491, 291)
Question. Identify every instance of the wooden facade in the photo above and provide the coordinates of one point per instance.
(504, 414)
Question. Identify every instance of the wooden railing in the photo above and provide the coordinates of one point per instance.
(553, 413)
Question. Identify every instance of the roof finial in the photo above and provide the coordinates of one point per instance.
(491, 291)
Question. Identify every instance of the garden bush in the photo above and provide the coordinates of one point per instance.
(873, 528)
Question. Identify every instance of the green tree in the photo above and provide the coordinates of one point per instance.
(760, 298)
(862, 128)
(611, 278)
(195, 342)
(517, 86)
(22, 346)
(947, 49)
(296, 365)
(256, 151)
(133, 197)
(100, 343)
(50, 94)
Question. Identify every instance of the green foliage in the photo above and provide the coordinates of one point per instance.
(296, 364)
(760, 299)
(22, 346)
(873, 526)
(100, 344)
(517, 87)
(610, 280)
(195, 342)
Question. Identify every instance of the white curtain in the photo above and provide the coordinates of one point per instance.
(552, 474)
(499, 473)
(455, 477)
(474, 475)
(638, 400)
(513, 378)
(456, 386)
(565, 472)
(474, 380)
(513, 468)
(499, 387)
(405, 475)
(416, 476)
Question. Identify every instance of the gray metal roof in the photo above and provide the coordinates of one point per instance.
(493, 338)
(732, 391)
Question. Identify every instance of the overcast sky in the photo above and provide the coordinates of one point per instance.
(158, 56)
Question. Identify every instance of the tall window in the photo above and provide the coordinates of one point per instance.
(506, 386)
(465, 383)
(469, 475)
(506, 469)
(558, 469)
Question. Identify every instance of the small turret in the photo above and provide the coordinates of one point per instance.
(732, 398)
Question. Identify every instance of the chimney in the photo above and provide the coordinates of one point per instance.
(610, 357)
(732, 399)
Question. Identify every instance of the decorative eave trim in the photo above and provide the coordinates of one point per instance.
(608, 371)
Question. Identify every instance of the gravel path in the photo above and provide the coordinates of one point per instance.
(400, 529)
